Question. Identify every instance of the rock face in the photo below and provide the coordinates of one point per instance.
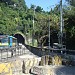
(19, 66)
(49, 60)
(43, 70)
(28, 64)
(11, 68)
(57, 60)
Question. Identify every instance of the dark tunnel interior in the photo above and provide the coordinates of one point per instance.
(53, 39)
(20, 38)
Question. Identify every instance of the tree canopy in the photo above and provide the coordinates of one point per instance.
(71, 2)
(16, 16)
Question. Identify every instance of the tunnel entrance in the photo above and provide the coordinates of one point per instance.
(20, 38)
(45, 40)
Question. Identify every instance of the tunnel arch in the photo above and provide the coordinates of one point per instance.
(20, 37)
(44, 40)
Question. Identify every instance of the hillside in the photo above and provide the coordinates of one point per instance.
(16, 16)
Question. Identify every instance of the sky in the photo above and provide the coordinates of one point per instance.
(45, 4)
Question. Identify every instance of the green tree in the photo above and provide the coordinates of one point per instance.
(71, 2)
(38, 9)
(69, 16)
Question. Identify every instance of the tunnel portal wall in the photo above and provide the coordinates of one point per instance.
(20, 37)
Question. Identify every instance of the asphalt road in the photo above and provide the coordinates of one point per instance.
(65, 70)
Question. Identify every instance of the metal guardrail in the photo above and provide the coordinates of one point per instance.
(7, 53)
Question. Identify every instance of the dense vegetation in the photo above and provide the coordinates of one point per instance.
(16, 16)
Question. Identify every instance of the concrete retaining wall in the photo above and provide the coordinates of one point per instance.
(37, 50)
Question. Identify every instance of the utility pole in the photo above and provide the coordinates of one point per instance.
(49, 33)
(33, 28)
(61, 24)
